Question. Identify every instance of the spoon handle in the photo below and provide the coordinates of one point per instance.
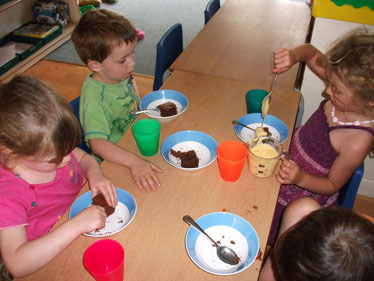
(191, 222)
(241, 124)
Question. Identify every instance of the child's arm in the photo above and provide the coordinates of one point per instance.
(24, 257)
(97, 181)
(142, 171)
(284, 59)
(351, 154)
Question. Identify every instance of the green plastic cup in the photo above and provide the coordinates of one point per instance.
(147, 136)
(254, 99)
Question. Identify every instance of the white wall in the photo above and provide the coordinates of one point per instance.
(325, 32)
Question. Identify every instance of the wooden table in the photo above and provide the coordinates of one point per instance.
(238, 42)
(154, 242)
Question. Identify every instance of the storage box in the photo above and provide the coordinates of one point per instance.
(12, 62)
(35, 43)
(358, 11)
(32, 30)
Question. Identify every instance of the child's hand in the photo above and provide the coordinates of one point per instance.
(99, 183)
(144, 174)
(284, 59)
(90, 219)
(289, 172)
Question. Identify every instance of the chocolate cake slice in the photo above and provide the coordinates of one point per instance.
(100, 201)
(168, 109)
(188, 159)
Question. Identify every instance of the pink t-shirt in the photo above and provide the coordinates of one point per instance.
(38, 206)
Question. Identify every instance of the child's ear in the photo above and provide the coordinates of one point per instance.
(94, 65)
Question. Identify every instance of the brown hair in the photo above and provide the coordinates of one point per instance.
(352, 59)
(329, 244)
(35, 121)
(98, 31)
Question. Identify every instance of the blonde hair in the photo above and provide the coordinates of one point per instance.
(352, 59)
(35, 121)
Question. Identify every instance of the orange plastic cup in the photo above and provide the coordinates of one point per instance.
(231, 157)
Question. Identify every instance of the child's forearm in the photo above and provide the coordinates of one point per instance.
(112, 152)
(33, 255)
(315, 184)
(309, 54)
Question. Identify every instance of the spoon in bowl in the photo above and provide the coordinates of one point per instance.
(226, 254)
(135, 112)
(266, 129)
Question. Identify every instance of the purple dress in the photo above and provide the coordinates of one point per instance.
(311, 149)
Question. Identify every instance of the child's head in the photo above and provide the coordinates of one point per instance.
(352, 60)
(329, 244)
(98, 31)
(35, 122)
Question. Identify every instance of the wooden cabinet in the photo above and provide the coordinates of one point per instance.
(18, 12)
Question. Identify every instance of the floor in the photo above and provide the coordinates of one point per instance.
(67, 79)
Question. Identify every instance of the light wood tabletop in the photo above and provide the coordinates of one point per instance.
(239, 40)
(154, 242)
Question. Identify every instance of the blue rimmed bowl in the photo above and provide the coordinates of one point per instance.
(229, 230)
(123, 214)
(203, 144)
(153, 99)
(277, 127)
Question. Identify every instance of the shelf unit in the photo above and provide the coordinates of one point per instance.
(24, 12)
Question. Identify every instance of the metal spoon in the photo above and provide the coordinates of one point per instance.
(226, 254)
(266, 100)
(134, 112)
(241, 124)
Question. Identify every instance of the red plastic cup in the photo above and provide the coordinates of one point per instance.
(104, 260)
(231, 157)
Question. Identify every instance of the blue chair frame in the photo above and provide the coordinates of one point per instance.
(75, 106)
(347, 194)
(169, 48)
(211, 8)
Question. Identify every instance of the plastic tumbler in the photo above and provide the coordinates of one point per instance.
(147, 136)
(104, 260)
(231, 156)
(254, 99)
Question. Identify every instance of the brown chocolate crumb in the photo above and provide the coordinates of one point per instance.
(232, 242)
(100, 201)
(224, 210)
(168, 109)
(259, 255)
(188, 159)
(255, 207)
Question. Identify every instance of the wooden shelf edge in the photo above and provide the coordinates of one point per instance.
(38, 55)
(9, 4)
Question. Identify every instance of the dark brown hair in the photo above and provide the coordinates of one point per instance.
(330, 244)
(35, 121)
(98, 31)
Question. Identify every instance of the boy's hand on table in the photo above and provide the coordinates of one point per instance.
(99, 183)
(144, 174)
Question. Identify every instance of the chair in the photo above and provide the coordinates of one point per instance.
(4, 273)
(75, 106)
(211, 8)
(169, 48)
(348, 192)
